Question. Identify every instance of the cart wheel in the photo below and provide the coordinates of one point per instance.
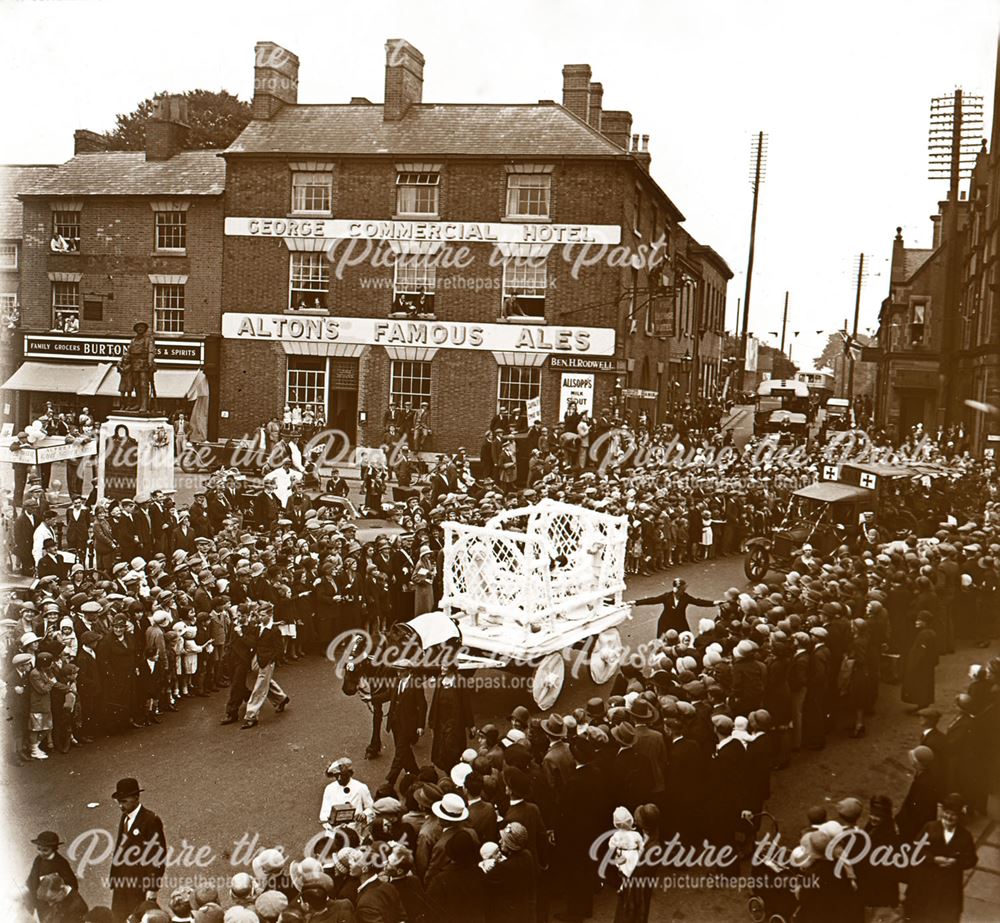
(547, 682)
(757, 563)
(777, 918)
(756, 907)
(605, 655)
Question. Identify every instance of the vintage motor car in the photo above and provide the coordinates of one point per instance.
(829, 513)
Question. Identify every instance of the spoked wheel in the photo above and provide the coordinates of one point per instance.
(757, 911)
(605, 655)
(757, 563)
(547, 682)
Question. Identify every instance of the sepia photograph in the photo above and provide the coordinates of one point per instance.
(478, 465)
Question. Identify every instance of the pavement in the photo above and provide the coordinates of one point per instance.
(231, 792)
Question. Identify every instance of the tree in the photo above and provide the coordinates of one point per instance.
(214, 120)
(781, 366)
(832, 352)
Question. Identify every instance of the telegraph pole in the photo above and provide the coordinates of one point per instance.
(758, 152)
(784, 324)
(953, 143)
(854, 338)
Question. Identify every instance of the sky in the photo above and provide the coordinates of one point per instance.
(842, 90)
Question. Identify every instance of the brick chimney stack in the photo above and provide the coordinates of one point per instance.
(275, 79)
(616, 126)
(166, 130)
(404, 79)
(576, 90)
(88, 142)
(596, 98)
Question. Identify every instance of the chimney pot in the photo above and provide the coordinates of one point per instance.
(576, 90)
(645, 142)
(404, 79)
(275, 79)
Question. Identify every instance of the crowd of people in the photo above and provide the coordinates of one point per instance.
(187, 602)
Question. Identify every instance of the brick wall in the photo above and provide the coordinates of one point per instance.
(116, 256)
(464, 383)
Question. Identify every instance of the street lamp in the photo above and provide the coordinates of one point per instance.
(686, 361)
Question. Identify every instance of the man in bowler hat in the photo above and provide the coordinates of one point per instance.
(140, 855)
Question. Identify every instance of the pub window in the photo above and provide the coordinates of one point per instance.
(516, 385)
(8, 302)
(637, 212)
(409, 383)
(309, 280)
(171, 231)
(66, 306)
(525, 280)
(417, 193)
(66, 232)
(8, 256)
(168, 308)
(305, 384)
(413, 286)
(312, 193)
(528, 195)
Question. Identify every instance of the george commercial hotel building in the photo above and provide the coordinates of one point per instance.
(468, 256)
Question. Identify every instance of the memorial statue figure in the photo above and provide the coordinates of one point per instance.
(137, 368)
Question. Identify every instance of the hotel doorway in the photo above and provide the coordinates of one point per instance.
(344, 398)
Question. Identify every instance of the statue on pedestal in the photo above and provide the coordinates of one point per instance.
(137, 369)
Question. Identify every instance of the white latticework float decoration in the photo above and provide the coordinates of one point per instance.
(533, 582)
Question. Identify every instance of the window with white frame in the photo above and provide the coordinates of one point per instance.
(168, 308)
(528, 195)
(516, 385)
(8, 255)
(309, 280)
(312, 192)
(171, 230)
(525, 280)
(66, 231)
(305, 384)
(417, 193)
(8, 302)
(66, 306)
(409, 382)
(413, 285)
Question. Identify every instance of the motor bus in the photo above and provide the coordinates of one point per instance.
(779, 394)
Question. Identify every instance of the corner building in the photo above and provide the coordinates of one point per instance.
(471, 257)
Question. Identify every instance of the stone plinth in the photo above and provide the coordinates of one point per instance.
(136, 457)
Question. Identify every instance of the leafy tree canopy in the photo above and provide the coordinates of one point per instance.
(215, 119)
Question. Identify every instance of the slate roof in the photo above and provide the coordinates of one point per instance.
(13, 180)
(129, 173)
(537, 130)
(913, 259)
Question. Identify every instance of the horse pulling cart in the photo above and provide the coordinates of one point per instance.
(535, 586)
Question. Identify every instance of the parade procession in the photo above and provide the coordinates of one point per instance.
(407, 518)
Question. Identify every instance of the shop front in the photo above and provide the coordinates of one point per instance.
(72, 372)
(351, 371)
